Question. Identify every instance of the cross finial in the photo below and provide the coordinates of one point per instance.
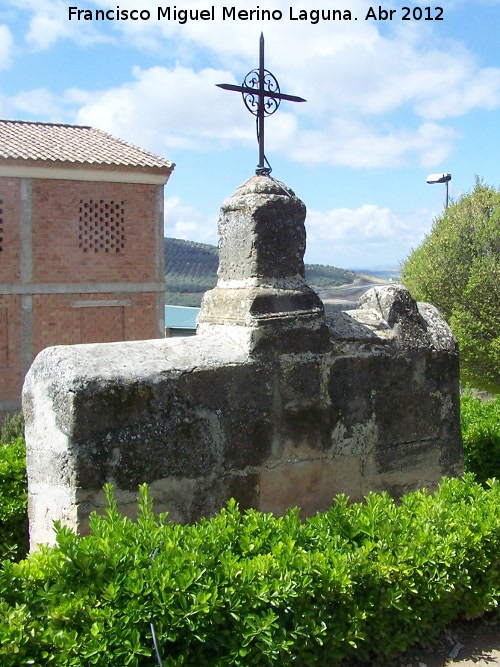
(262, 97)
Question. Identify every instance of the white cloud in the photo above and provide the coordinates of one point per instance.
(375, 96)
(407, 70)
(351, 67)
(47, 23)
(45, 30)
(41, 103)
(478, 89)
(183, 221)
(6, 47)
(160, 109)
(45, 103)
(169, 108)
(367, 223)
(360, 144)
(366, 236)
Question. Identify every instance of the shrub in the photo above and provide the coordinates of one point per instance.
(12, 428)
(13, 500)
(13, 488)
(249, 589)
(481, 436)
(457, 268)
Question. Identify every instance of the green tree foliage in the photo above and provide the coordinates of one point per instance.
(457, 268)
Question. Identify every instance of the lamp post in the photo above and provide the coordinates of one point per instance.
(439, 178)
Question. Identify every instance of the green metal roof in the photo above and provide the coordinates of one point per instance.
(181, 317)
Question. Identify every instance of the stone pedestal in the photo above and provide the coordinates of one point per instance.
(261, 283)
(270, 403)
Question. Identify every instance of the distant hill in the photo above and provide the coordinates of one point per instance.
(191, 270)
(391, 274)
(190, 266)
(324, 276)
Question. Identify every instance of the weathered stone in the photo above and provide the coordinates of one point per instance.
(309, 485)
(394, 305)
(270, 403)
(214, 493)
(261, 283)
(262, 237)
(404, 467)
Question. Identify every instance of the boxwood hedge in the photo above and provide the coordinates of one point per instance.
(481, 435)
(359, 581)
(13, 500)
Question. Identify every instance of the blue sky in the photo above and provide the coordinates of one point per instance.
(388, 102)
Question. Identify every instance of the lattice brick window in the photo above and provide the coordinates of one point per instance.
(1, 225)
(101, 227)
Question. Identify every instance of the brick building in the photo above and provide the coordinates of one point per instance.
(81, 243)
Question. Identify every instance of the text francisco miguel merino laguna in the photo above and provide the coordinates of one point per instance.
(314, 16)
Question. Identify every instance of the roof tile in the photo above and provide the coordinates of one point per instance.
(54, 142)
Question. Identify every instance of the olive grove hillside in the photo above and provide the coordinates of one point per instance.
(191, 270)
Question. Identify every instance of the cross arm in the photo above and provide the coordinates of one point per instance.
(255, 91)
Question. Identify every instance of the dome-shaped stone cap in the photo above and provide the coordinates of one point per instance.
(265, 185)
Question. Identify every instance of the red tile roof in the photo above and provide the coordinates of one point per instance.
(77, 144)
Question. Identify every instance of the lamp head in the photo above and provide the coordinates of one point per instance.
(438, 178)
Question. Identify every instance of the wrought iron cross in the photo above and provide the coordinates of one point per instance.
(261, 94)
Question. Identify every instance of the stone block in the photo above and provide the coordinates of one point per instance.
(270, 403)
(310, 485)
(261, 232)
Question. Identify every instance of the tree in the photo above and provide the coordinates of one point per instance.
(457, 268)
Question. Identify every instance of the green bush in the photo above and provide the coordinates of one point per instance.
(243, 589)
(481, 436)
(13, 500)
(457, 268)
(13, 488)
(249, 589)
(12, 428)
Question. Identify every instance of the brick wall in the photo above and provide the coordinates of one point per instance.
(85, 231)
(10, 348)
(69, 319)
(10, 244)
(100, 237)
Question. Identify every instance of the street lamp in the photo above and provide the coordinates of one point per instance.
(440, 178)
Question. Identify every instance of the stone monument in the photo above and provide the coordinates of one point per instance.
(271, 403)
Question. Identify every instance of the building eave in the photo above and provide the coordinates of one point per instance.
(83, 173)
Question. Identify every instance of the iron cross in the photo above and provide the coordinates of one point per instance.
(261, 94)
